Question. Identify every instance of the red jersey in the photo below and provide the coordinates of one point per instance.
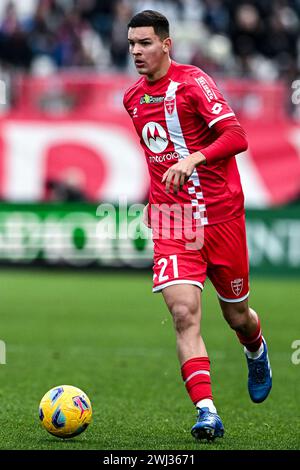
(174, 117)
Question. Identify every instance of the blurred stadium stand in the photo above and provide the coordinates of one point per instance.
(257, 39)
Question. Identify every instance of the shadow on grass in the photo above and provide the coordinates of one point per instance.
(65, 442)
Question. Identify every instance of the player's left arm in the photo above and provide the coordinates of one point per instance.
(230, 138)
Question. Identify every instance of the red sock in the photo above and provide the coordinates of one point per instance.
(253, 342)
(196, 375)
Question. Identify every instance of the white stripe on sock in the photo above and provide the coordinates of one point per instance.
(198, 372)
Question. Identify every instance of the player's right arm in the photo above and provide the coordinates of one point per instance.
(145, 218)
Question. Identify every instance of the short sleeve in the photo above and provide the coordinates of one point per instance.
(207, 100)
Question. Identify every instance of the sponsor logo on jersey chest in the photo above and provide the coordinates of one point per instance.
(148, 99)
(155, 137)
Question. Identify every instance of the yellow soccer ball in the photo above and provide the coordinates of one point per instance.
(65, 411)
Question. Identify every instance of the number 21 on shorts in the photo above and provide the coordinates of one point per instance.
(171, 262)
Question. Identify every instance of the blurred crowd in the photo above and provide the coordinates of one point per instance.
(254, 39)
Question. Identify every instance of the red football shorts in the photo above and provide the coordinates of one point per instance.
(223, 257)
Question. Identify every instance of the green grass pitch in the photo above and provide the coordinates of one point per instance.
(109, 335)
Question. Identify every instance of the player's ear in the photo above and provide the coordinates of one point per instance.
(167, 45)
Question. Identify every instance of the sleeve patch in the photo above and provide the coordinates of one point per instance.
(208, 92)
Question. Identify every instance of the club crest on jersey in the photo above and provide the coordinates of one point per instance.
(237, 286)
(148, 99)
(170, 105)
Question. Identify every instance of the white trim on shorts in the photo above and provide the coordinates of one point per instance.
(178, 281)
(233, 300)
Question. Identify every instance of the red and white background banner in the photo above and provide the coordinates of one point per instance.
(70, 125)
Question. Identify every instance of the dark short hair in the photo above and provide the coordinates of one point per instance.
(152, 18)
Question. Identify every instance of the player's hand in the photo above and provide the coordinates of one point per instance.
(177, 175)
(145, 217)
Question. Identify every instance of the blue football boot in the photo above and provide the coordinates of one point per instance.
(208, 425)
(259, 376)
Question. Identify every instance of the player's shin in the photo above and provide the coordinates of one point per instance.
(253, 340)
(196, 376)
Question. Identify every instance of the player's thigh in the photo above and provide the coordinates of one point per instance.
(228, 261)
(179, 273)
(183, 300)
(174, 265)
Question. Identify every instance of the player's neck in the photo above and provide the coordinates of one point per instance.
(162, 72)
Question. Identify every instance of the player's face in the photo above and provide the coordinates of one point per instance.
(148, 50)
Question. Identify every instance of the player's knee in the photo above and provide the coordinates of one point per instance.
(238, 319)
(238, 309)
(237, 322)
(184, 316)
(236, 314)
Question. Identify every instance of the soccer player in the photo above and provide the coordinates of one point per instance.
(190, 137)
